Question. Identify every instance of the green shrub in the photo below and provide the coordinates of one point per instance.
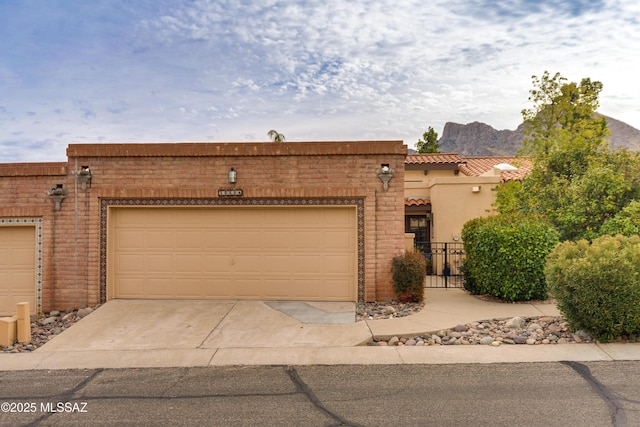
(625, 222)
(505, 256)
(408, 276)
(597, 285)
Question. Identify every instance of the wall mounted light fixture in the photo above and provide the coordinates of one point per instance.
(84, 177)
(57, 193)
(233, 176)
(385, 173)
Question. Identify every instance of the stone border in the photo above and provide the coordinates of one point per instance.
(358, 202)
(37, 222)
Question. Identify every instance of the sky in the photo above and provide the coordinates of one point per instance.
(123, 71)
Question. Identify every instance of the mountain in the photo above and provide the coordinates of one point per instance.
(480, 139)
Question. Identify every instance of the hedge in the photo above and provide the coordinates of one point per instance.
(505, 256)
(597, 285)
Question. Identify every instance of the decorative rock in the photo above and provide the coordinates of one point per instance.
(496, 343)
(393, 341)
(54, 313)
(516, 323)
(48, 321)
(486, 340)
(531, 341)
(84, 311)
(410, 342)
(518, 339)
(461, 328)
(68, 316)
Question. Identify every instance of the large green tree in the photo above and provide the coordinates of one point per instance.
(429, 142)
(576, 181)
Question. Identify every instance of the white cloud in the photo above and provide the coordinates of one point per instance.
(231, 70)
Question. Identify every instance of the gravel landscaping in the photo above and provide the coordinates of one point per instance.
(541, 330)
(43, 329)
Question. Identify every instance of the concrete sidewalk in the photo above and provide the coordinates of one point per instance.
(139, 334)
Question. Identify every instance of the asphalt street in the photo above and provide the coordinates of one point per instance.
(528, 394)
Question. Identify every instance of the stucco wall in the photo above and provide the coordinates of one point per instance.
(454, 202)
(173, 173)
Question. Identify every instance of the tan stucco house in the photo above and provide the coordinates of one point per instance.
(282, 221)
(445, 190)
(271, 221)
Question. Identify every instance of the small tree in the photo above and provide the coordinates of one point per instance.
(408, 276)
(276, 136)
(576, 182)
(429, 142)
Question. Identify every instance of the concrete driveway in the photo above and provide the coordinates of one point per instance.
(164, 325)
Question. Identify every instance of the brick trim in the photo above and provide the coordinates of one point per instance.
(246, 149)
(33, 169)
(106, 203)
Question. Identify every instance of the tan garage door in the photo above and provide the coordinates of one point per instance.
(275, 253)
(17, 268)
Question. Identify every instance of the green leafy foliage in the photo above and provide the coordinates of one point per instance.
(577, 183)
(408, 276)
(625, 222)
(505, 256)
(597, 285)
(429, 142)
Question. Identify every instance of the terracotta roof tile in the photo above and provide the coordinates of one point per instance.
(476, 166)
(416, 202)
(436, 158)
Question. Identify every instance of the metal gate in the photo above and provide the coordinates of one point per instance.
(444, 264)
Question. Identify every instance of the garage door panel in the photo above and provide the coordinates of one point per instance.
(245, 240)
(158, 263)
(279, 288)
(307, 264)
(17, 268)
(341, 241)
(245, 288)
(159, 239)
(160, 287)
(248, 264)
(278, 263)
(190, 287)
(131, 287)
(130, 263)
(130, 239)
(307, 288)
(216, 263)
(337, 264)
(283, 253)
(337, 287)
(277, 240)
(188, 239)
(309, 239)
(213, 238)
(188, 263)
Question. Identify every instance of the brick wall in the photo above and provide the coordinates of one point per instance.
(309, 170)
